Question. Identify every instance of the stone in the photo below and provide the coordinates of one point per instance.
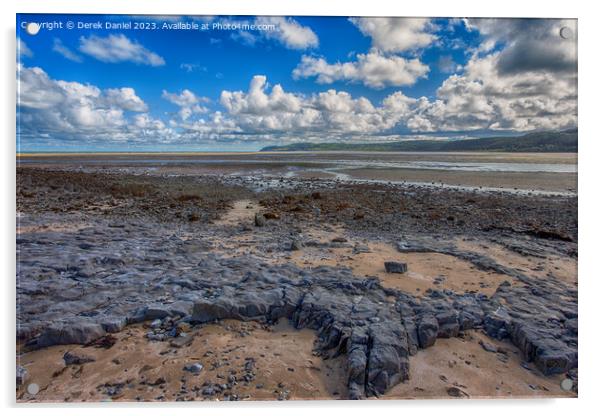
(488, 347)
(72, 358)
(428, 329)
(259, 220)
(296, 245)
(194, 368)
(456, 392)
(395, 267)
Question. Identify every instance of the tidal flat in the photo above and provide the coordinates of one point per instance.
(262, 276)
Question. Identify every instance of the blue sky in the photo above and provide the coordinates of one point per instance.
(296, 79)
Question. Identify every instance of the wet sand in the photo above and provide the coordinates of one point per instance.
(345, 165)
(543, 181)
(284, 367)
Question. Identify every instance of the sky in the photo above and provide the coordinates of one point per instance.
(227, 83)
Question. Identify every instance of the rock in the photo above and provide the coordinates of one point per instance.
(156, 311)
(395, 267)
(428, 329)
(456, 392)
(72, 358)
(488, 347)
(180, 308)
(22, 375)
(259, 220)
(114, 325)
(81, 333)
(194, 368)
(296, 245)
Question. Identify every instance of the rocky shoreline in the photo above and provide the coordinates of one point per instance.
(98, 253)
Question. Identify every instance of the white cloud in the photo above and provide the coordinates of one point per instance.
(67, 53)
(289, 32)
(372, 69)
(126, 99)
(396, 34)
(188, 102)
(119, 48)
(67, 110)
(486, 98)
(23, 49)
(330, 113)
(522, 77)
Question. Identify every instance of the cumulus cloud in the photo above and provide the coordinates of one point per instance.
(330, 113)
(372, 69)
(119, 48)
(126, 99)
(188, 102)
(396, 34)
(522, 77)
(382, 66)
(289, 32)
(485, 97)
(66, 110)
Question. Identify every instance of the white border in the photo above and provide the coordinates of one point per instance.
(590, 152)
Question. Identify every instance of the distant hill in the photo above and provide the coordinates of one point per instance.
(549, 141)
